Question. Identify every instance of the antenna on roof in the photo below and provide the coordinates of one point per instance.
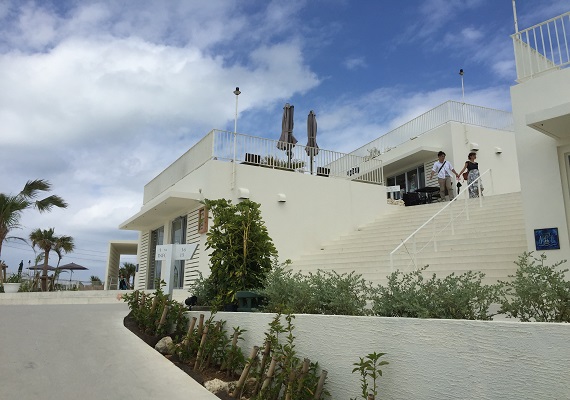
(515, 15)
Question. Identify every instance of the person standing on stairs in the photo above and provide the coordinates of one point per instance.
(443, 169)
(472, 168)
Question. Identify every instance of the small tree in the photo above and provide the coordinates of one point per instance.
(46, 240)
(242, 251)
(12, 206)
(537, 292)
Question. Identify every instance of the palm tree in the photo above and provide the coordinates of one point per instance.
(12, 206)
(46, 240)
(129, 270)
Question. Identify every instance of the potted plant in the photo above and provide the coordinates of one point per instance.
(13, 283)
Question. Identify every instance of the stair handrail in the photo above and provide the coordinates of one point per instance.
(412, 235)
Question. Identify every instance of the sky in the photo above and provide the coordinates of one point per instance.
(98, 97)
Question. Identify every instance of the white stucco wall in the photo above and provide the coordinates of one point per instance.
(455, 140)
(539, 165)
(429, 359)
(317, 209)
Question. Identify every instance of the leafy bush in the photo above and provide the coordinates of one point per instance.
(370, 372)
(537, 292)
(291, 377)
(454, 297)
(204, 291)
(325, 292)
(242, 251)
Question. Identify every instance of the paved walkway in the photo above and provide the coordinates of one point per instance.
(83, 351)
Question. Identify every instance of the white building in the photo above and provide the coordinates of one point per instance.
(306, 203)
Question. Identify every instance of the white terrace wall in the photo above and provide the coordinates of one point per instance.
(429, 359)
(315, 210)
(455, 140)
(543, 174)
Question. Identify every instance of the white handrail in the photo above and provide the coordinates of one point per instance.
(413, 235)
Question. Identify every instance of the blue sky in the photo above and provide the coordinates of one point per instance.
(99, 96)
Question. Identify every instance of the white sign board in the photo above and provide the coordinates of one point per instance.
(163, 252)
(185, 251)
(168, 253)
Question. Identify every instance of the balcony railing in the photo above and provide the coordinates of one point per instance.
(542, 47)
(450, 111)
(267, 153)
(238, 148)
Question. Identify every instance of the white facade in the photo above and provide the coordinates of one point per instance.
(430, 359)
(541, 110)
(300, 211)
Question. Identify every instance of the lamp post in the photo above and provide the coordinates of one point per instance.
(237, 93)
(462, 87)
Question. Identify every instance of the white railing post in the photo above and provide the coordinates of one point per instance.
(434, 236)
(415, 253)
(466, 191)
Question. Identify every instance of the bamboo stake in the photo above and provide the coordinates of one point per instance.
(200, 349)
(266, 352)
(190, 331)
(270, 373)
(370, 396)
(245, 372)
(217, 330)
(321, 384)
(289, 389)
(201, 325)
(163, 317)
(231, 355)
(304, 371)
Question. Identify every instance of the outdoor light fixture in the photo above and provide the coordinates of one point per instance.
(243, 193)
(498, 150)
(474, 146)
(281, 198)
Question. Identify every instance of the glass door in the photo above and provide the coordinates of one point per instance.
(179, 237)
(156, 239)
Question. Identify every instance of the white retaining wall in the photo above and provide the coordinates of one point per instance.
(429, 359)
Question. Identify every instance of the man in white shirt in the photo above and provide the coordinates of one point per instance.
(443, 169)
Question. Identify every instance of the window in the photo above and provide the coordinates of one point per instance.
(156, 239)
(409, 181)
(179, 237)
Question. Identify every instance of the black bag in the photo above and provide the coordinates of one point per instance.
(411, 199)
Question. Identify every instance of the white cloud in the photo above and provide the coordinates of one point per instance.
(354, 63)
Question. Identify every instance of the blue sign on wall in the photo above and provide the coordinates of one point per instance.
(546, 239)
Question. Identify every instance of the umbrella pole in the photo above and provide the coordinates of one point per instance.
(311, 165)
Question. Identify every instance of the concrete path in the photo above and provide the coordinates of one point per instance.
(73, 351)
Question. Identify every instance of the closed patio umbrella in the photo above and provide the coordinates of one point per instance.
(287, 141)
(312, 146)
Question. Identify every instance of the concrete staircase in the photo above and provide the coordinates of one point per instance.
(490, 241)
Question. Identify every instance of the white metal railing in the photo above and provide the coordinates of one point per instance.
(239, 148)
(442, 222)
(542, 47)
(446, 112)
(266, 153)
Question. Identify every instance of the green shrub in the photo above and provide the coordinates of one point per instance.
(537, 292)
(241, 250)
(454, 297)
(204, 291)
(324, 292)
